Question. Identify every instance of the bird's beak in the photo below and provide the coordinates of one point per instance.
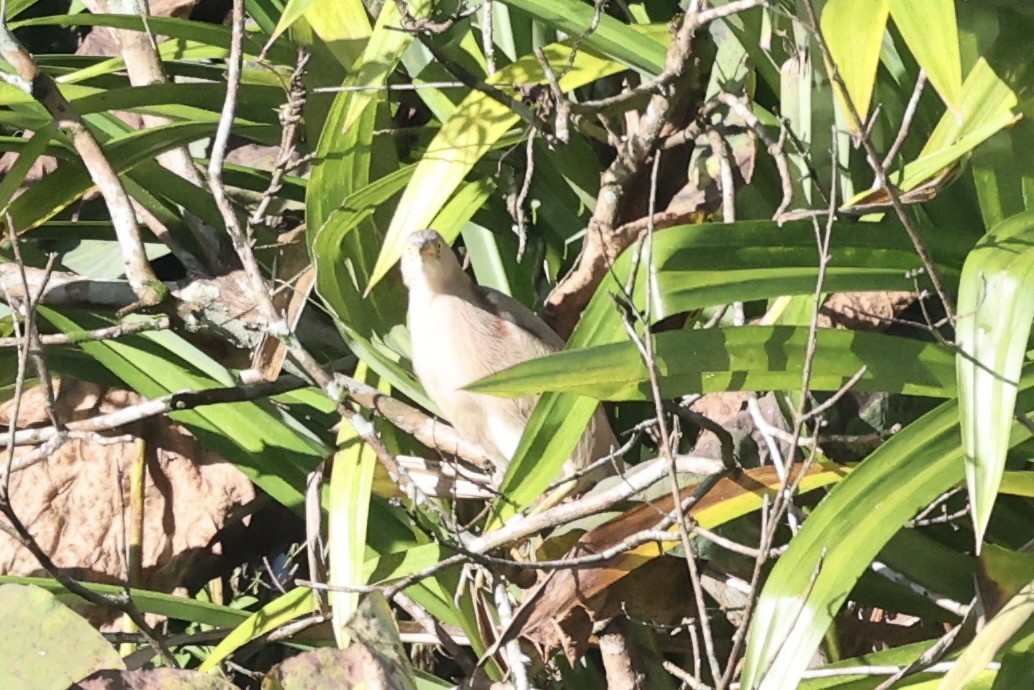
(428, 250)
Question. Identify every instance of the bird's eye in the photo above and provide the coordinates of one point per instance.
(438, 246)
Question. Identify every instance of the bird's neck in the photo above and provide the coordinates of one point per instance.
(455, 285)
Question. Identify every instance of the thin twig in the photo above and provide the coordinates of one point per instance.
(906, 122)
(646, 349)
(156, 323)
(275, 324)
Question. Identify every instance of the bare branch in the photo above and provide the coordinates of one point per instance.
(603, 242)
(274, 322)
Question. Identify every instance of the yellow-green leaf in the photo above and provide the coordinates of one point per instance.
(1015, 616)
(854, 33)
(342, 24)
(932, 34)
(477, 124)
(351, 483)
(295, 604)
(986, 100)
(381, 55)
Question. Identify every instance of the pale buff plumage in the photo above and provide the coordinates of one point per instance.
(461, 332)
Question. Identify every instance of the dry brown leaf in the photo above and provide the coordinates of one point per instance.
(863, 311)
(76, 503)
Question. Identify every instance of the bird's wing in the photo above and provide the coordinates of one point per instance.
(509, 309)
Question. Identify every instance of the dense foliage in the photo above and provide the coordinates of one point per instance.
(788, 245)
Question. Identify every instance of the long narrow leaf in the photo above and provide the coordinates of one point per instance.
(841, 537)
(854, 33)
(158, 603)
(351, 483)
(478, 123)
(995, 311)
(932, 34)
(699, 266)
(722, 359)
(273, 449)
(610, 37)
(284, 609)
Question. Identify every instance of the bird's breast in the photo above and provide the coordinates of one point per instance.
(452, 343)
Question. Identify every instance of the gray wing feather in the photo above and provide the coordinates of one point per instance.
(506, 307)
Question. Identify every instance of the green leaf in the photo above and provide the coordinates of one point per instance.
(932, 34)
(476, 126)
(724, 359)
(379, 59)
(1016, 618)
(271, 448)
(987, 104)
(147, 601)
(341, 199)
(27, 156)
(854, 34)
(201, 32)
(995, 311)
(60, 188)
(265, 13)
(342, 25)
(842, 536)
(44, 645)
(16, 7)
(351, 484)
(296, 603)
(697, 266)
(549, 438)
(638, 49)
(258, 102)
(293, 11)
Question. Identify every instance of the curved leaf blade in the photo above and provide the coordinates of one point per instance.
(294, 604)
(995, 311)
(724, 359)
(729, 498)
(160, 603)
(202, 32)
(1017, 615)
(699, 266)
(478, 123)
(842, 536)
(610, 37)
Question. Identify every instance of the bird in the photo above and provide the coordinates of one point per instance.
(461, 332)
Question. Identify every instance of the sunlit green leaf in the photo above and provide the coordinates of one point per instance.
(745, 358)
(997, 279)
(284, 609)
(930, 30)
(641, 50)
(842, 536)
(351, 483)
(477, 125)
(158, 603)
(854, 33)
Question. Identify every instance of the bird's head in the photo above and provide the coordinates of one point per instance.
(428, 262)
